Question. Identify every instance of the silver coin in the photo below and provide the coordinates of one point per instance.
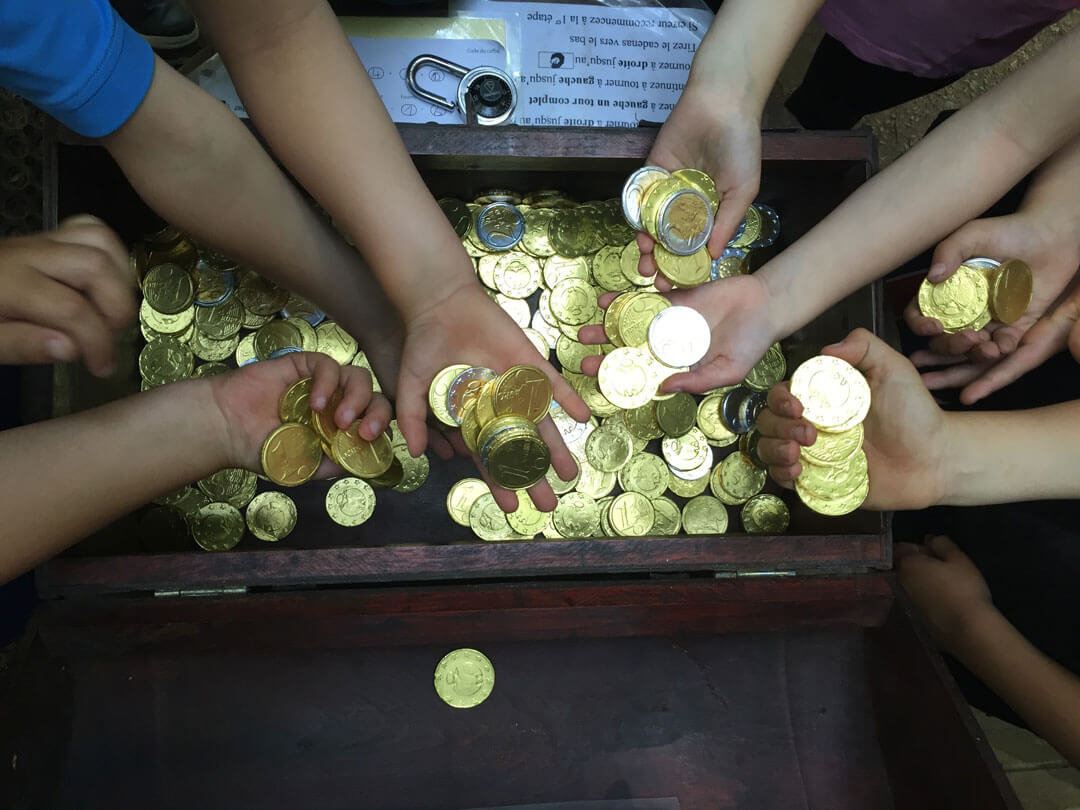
(698, 472)
(740, 407)
(770, 234)
(634, 189)
(284, 350)
(462, 379)
(500, 226)
(680, 245)
(679, 336)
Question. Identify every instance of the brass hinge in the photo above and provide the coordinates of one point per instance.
(240, 589)
(737, 574)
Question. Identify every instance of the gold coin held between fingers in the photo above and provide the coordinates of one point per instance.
(834, 394)
(350, 501)
(464, 678)
(523, 391)
(360, 457)
(527, 520)
(291, 455)
(438, 391)
(1010, 292)
(271, 516)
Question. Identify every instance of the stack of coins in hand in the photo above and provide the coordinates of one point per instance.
(639, 468)
(201, 315)
(979, 291)
(497, 414)
(677, 210)
(835, 398)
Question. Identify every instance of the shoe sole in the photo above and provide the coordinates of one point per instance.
(163, 43)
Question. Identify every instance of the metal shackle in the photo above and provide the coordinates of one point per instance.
(491, 90)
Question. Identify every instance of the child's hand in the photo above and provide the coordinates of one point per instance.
(724, 142)
(248, 401)
(64, 295)
(468, 327)
(946, 586)
(906, 433)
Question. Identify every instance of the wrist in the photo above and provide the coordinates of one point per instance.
(954, 466)
(222, 429)
(979, 627)
(783, 312)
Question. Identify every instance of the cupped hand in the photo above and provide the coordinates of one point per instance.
(468, 327)
(1052, 252)
(904, 433)
(64, 295)
(946, 586)
(740, 314)
(722, 140)
(248, 402)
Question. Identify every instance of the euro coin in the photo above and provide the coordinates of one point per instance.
(955, 302)
(835, 480)
(527, 520)
(644, 473)
(558, 485)
(711, 424)
(168, 288)
(765, 514)
(271, 516)
(634, 191)
(1010, 292)
(768, 371)
(702, 182)
(833, 448)
(462, 496)
(573, 301)
(464, 678)
(359, 456)
(637, 314)
(704, 515)
(516, 458)
(220, 322)
(593, 482)
(686, 452)
(576, 515)
(335, 342)
(291, 455)
(350, 502)
(440, 387)
(684, 222)
(164, 324)
(686, 488)
(834, 507)
(684, 270)
(631, 514)
(625, 379)
(524, 391)
(834, 395)
(488, 521)
(517, 275)
(232, 486)
(679, 336)
(740, 478)
(500, 226)
(609, 448)
(295, 403)
(165, 360)
(206, 348)
(260, 295)
(667, 519)
(468, 383)
(217, 526)
(677, 415)
(274, 336)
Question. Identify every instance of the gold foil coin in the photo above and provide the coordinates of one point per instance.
(217, 526)
(464, 678)
(271, 516)
(957, 301)
(295, 403)
(576, 515)
(631, 514)
(667, 519)
(488, 521)
(463, 494)
(1010, 291)
(704, 514)
(833, 393)
(527, 520)
(360, 457)
(765, 514)
(645, 473)
(350, 501)
(740, 478)
(523, 391)
(168, 288)
(232, 486)
(291, 455)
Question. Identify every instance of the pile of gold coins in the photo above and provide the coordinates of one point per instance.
(835, 398)
(201, 315)
(545, 260)
(980, 290)
(677, 210)
(497, 414)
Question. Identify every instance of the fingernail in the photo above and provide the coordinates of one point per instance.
(349, 416)
(107, 370)
(59, 349)
(936, 272)
(372, 427)
(803, 434)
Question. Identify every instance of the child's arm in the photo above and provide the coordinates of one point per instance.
(952, 595)
(70, 476)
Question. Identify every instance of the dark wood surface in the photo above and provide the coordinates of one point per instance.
(601, 691)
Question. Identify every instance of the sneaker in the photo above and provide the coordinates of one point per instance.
(165, 24)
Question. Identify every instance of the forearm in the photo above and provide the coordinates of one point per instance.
(1053, 191)
(1045, 694)
(207, 175)
(308, 93)
(95, 466)
(746, 48)
(1006, 456)
(951, 177)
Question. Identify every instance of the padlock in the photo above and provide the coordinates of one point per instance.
(489, 92)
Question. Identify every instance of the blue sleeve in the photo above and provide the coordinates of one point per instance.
(76, 60)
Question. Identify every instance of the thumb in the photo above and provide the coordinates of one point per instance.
(732, 209)
(976, 238)
(27, 344)
(943, 548)
(869, 354)
(901, 551)
(721, 371)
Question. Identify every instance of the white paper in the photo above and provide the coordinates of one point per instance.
(386, 60)
(595, 65)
